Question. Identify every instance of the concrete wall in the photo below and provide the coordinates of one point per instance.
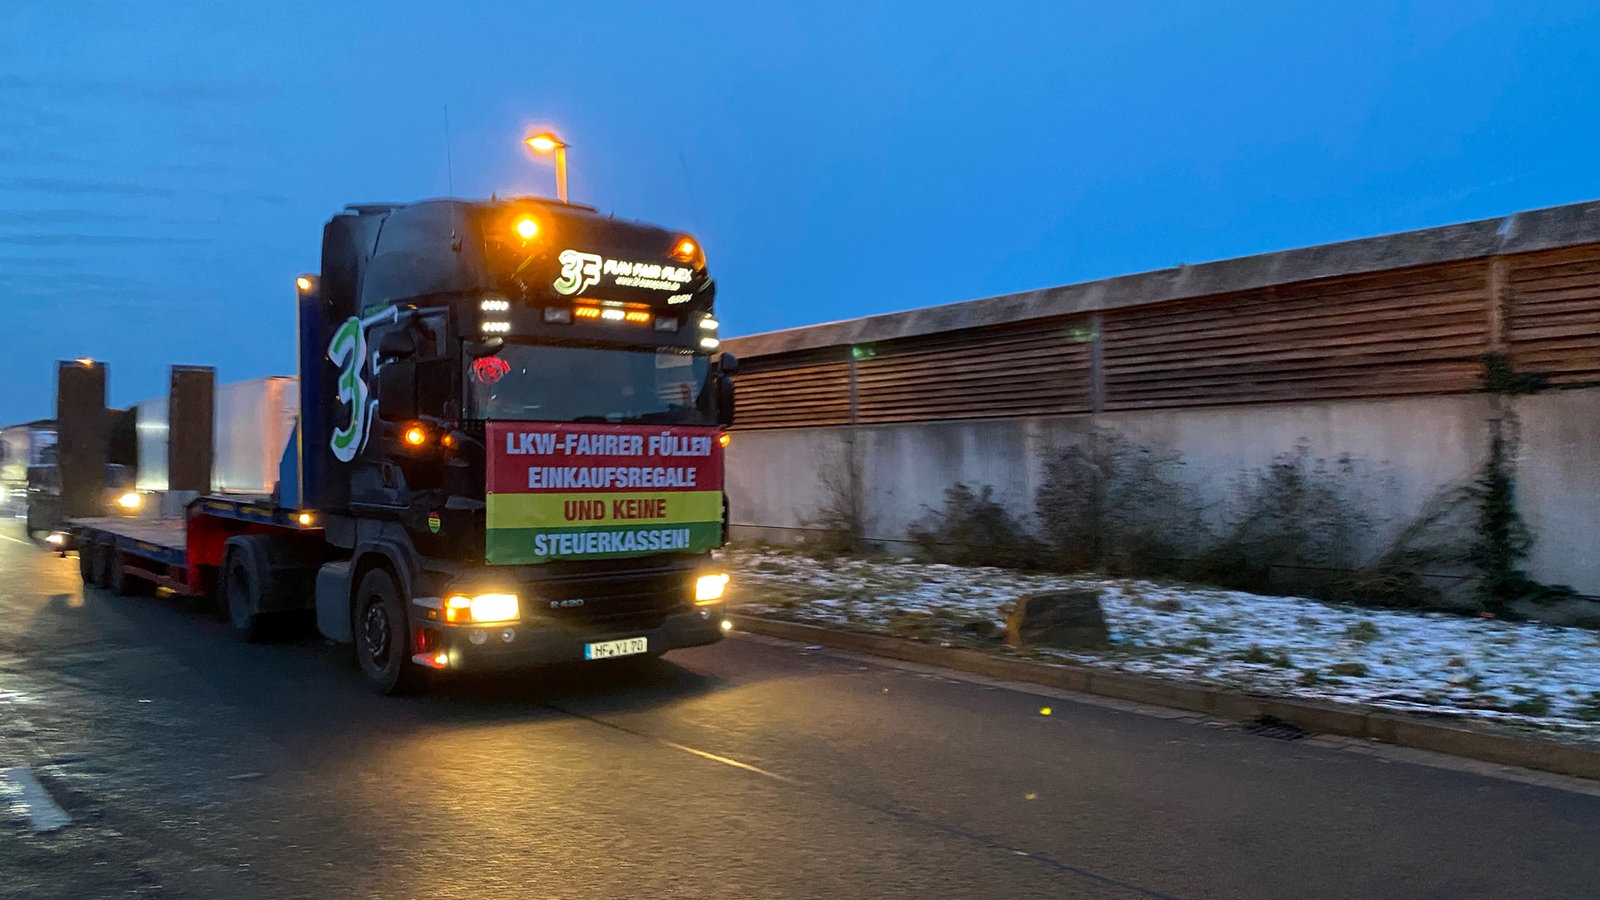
(1407, 449)
(1559, 485)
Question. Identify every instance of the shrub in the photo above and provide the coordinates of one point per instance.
(1292, 526)
(974, 530)
(839, 526)
(1432, 543)
(1362, 631)
(1114, 505)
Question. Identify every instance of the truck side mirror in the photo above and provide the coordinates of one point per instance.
(397, 391)
(397, 345)
(729, 364)
(724, 400)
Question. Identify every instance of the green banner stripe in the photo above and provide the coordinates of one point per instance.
(517, 546)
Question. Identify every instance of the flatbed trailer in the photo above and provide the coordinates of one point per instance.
(132, 556)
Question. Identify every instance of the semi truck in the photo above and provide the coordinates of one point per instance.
(508, 453)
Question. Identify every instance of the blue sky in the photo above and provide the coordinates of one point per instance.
(165, 168)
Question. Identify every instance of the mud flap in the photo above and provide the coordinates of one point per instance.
(333, 601)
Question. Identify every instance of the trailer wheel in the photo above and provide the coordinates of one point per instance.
(124, 583)
(383, 649)
(86, 564)
(105, 559)
(241, 591)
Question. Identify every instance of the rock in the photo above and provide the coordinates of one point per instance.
(1068, 620)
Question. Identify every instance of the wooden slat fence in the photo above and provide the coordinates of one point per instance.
(1402, 332)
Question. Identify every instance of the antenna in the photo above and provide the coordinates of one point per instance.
(449, 164)
(450, 179)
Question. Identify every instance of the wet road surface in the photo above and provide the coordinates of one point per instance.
(192, 764)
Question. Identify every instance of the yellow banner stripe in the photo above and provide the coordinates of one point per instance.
(592, 509)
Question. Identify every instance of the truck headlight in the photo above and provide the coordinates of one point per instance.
(130, 500)
(482, 608)
(709, 588)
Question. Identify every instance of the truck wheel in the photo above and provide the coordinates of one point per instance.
(383, 649)
(242, 592)
(86, 564)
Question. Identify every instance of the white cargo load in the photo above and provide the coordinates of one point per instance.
(250, 429)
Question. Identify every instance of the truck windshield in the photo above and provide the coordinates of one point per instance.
(558, 383)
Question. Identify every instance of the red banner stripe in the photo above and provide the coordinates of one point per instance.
(531, 457)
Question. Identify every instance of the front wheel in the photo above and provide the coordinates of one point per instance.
(382, 648)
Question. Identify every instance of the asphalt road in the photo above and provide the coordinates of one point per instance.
(195, 765)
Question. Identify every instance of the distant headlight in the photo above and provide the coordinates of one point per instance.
(130, 500)
(709, 588)
(482, 608)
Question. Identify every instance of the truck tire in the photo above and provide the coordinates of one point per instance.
(383, 647)
(241, 589)
(86, 564)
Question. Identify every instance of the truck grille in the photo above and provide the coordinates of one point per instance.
(614, 601)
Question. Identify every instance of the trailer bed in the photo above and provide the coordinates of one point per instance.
(162, 539)
(182, 554)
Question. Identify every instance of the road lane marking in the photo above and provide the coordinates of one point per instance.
(729, 762)
(674, 745)
(29, 799)
(17, 540)
(903, 815)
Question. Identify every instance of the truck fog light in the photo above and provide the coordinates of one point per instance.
(130, 500)
(727, 625)
(709, 588)
(477, 636)
(508, 635)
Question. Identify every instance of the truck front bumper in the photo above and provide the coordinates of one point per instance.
(526, 645)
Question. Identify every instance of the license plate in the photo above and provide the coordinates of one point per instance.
(611, 649)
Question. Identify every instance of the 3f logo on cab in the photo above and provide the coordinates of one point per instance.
(579, 272)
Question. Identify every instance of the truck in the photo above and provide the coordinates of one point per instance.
(508, 451)
(24, 449)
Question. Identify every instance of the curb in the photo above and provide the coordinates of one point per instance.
(1323, 718)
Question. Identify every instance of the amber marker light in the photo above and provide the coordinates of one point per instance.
(527, 228)
(724, 439)
(688, 252)
(416, 436)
